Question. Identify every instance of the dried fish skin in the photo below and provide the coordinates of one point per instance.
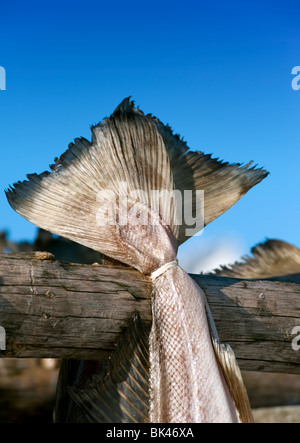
(187, 383)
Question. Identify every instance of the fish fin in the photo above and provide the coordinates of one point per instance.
(223, 183)
(126, 155)
(121, 394)
(139, 150)
(231, 371)
(234, 380)
(71, 373)
(273, 258)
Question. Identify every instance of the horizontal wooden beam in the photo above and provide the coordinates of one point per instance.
(62, 310)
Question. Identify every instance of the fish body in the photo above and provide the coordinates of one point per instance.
(136, 157)
(188, 385)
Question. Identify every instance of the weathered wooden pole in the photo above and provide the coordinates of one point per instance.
(63, 310)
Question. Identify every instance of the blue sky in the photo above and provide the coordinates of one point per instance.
(218, 72)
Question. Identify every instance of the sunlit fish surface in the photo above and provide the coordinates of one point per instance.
(121, 194)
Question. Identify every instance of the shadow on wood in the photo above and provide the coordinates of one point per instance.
(64, 310)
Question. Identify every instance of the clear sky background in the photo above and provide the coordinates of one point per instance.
(218, 72)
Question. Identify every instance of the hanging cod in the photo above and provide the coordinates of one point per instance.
(180, 373)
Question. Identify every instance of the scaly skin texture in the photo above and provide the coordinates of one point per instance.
(186, 382)
(73, 200)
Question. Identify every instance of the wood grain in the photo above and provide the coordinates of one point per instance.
(57, 309)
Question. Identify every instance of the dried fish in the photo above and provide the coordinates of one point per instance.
(121, 194)
(273, 258)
